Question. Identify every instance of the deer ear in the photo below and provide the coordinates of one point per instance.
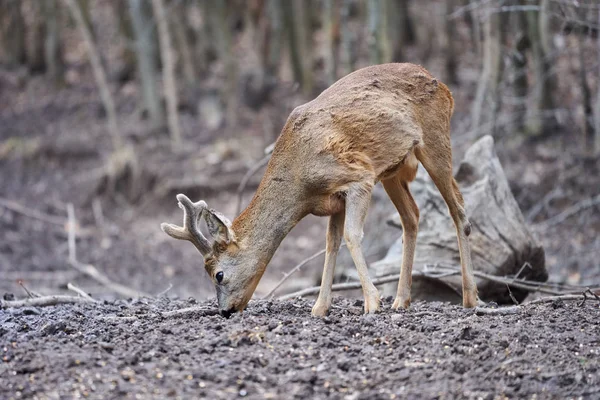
(219, 227)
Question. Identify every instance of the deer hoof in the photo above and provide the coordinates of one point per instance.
(470, 299)
(372, 303)
(401, 303)
(320, 309)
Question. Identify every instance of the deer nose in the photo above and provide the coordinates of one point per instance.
(227, 313)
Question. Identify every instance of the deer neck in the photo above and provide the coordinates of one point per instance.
(269, 217)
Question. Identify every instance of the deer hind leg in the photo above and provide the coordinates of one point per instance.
(335, 231)
(398, 191)
(358, 197)
(439, 167)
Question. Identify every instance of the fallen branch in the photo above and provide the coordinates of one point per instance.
(249, 174)
(339, 287)
(31, 213)
(498, 311)
(203, 311)
(80, 292)
(569, 212)
(44, 301)
(293, 271)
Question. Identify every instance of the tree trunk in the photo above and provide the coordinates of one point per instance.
(540, 114)
(409, 36)
(379, 46)
(99, 74)
(276, 32)
(221, 26)
(52, 46)
(126, 69)
(145, 50)
(12, 32)
(331, 26)
(168, 63)
(451, 61)
(36, 58)
(487, 100)
(586, 97)
(597, 109)
(178, 22)
(348, 39)
(518, 59)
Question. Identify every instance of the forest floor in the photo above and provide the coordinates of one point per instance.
(136, 349)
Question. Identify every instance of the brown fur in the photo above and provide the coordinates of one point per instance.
(374, 124)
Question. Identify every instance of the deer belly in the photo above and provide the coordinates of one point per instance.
(329, 205)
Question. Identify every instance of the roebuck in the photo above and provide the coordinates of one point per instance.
(375, 124)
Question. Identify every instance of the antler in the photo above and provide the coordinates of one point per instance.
(190, 230)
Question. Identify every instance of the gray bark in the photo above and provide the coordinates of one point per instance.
(500, 240)
(487, 101)
(348, 39)
(52, 46)
(168, 63)
(146, 52)
(99, 73)
(12, 33)
(597, 106)
(540, 117)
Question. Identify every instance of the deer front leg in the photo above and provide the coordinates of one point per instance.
(358, 198)
(335, 230)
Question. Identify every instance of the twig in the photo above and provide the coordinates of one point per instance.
(203, 311)
(71, 233)
(569, 212)
(249, 174)
(161, 294)
(339, 287)
(551, 299)
(294, 270)
(29, 293)
(81, 292)
(44, 301)
(16, 207)
(498, 311)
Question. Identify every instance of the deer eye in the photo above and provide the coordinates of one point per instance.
(219, 276)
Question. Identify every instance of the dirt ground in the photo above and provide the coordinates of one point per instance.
(130, 349)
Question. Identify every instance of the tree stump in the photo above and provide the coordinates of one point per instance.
(501, 243)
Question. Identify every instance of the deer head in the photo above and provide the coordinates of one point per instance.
(234, 282)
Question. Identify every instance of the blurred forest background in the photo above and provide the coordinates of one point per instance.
(110, 108)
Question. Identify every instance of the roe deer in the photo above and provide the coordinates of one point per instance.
(373, 125)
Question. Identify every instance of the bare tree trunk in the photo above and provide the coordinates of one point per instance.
(487, 100)
(331, 26)
(221, 26)
(451, 61)
(145, 50)
(52, 48)
(36, 62)
(540, 119)
(518, 59)
(126, 69)
(409, 36)
(348, 39)
(276, 32)
(99, 74)
(12, 33)
(168, 63)
(586, 95)
(378, 33)
(180, 29)
(597, 110)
